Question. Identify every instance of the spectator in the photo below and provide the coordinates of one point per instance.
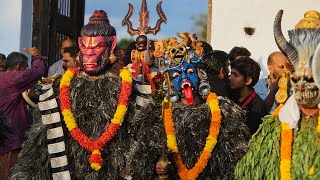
(57, 67)
(69, 57)
(238, 52)
(216, 66)
(69, 60)
(2, 59)
(15, 80)
(267, 88)
(244, 75)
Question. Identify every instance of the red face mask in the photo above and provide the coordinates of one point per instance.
(92, 49)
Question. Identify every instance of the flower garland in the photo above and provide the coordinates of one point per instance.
(285, 152)
(95, 146)
(285, 148)
(211, 141)
(277, 110)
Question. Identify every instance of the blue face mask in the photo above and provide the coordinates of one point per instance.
(185, 80)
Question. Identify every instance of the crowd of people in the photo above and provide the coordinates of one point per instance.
(215, 118)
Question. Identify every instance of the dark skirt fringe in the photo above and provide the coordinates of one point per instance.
(93, 103)
(192, 127)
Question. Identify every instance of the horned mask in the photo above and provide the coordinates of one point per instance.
(302, 51)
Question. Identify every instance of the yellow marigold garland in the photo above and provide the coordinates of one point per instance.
(285, 151)
(95, 146)
(285, 148)
(277, 110)
(211, 141)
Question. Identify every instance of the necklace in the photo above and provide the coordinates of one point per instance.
(211, 140)
(95, 146)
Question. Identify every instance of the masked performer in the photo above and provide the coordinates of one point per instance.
(143, 66)
(202, 138)
(146, 76)
(93, 100)
(286, 145)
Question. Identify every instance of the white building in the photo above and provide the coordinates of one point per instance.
(229, 17)
(40, 23)
(14, 15)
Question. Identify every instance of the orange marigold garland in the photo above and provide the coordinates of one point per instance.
(285, 148)
(285, 152)
(95, 146)
(211, 141)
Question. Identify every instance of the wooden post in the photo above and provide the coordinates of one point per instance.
(40, 33)
(209, 22)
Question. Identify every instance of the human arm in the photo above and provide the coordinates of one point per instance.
(23, 80)
(146, 151)
(269, 100)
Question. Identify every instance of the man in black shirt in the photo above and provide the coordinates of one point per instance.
(244, 75)
(216, 66)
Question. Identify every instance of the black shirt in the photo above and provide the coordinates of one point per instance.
(218, 86)
(255, 110)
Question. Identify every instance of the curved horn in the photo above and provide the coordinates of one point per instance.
(28, 100)
(186, 39)
(166, 43)
(284, 46)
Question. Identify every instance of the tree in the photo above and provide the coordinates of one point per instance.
(124, 42)
(200, 23)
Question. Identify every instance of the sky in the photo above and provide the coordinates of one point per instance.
(178, 13)
(9, 31)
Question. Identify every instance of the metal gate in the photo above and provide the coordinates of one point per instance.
(54, 21)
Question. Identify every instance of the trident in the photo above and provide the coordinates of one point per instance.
(144, 29)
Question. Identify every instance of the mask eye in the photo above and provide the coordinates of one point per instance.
(294, 79)
(173, 51)
(190, 71)
(309, 79)
(81, 45)
(174, 75)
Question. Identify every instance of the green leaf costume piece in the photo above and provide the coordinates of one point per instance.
(262, 160)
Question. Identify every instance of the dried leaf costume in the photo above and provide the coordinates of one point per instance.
(91, 139)
(281, 149)
(202, 138)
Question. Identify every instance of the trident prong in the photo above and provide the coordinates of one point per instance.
(143, 28)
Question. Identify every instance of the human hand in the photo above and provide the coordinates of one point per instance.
(32, 51)
(273, 84)
(162, 167)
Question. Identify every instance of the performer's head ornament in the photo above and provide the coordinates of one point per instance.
(97, 44)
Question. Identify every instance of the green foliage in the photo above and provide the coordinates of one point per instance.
(305, 150)
(124, 42)
(200, 25)
(262, 160)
